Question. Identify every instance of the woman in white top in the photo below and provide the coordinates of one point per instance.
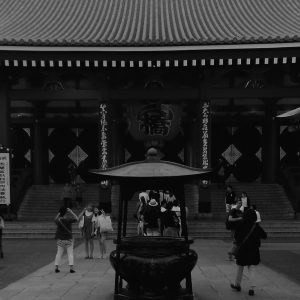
(245, 201)
(98, 219)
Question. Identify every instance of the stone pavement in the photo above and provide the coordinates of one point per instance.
(94, 279)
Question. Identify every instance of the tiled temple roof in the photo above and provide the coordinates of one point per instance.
(137, 23)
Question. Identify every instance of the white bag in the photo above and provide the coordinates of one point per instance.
(105, 224)
(81, 223)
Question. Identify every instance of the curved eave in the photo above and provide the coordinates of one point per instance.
(120, 49)
(295, 113)
(153, 169)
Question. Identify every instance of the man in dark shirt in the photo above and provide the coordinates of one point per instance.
(229, 198)
(152, 218)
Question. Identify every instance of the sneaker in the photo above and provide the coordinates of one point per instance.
(72, 271)
(251, 293)
(236, 287)
(57, 270)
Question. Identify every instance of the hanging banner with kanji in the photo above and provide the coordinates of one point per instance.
(205, 135)
(4, 179)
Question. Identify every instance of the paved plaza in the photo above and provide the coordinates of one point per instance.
(94, 279)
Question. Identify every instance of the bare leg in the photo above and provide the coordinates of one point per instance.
(91, 242)
(86, 248)
(103, 245)
(239, 275)
(251, 270)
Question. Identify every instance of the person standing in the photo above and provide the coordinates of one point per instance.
(253, 206)
(230, 198)
(177, 210)
(235, 217)
(248, 236)
(88, 230)
(78, 195)
(220, 172)
(1, 229)
(152, 218)
(101, 232)
(72, 169)
(144, 194)
(140, 216)
(67, 195)
(163, 209)
(170, 221)
(64, 237)
(245, 201)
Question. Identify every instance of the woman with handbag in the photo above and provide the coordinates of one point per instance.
(88, 230)
(248, 236)
(64, 237)
(103, 226)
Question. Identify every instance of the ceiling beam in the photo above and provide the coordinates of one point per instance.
(171, 94)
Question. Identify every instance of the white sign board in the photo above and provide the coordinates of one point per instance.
(4, 179)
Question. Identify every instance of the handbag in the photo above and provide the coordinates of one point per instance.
(236, 247)
(105, 224)
(81, 223)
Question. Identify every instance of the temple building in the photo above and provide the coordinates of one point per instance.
(95, 84)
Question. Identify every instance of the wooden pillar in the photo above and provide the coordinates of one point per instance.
(4, 113)
(40, 151)
(270, 147)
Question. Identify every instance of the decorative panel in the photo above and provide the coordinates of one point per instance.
(289, 146)
(21, 144)
(238, 150)
(75, 147)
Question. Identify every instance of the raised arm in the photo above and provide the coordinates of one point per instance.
(81, 214)
(73, 214)
(57, 216)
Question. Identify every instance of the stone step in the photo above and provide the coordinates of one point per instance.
(46, 230)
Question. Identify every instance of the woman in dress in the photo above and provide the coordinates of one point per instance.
(88, 230)
(248, 236)
(63, 235)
